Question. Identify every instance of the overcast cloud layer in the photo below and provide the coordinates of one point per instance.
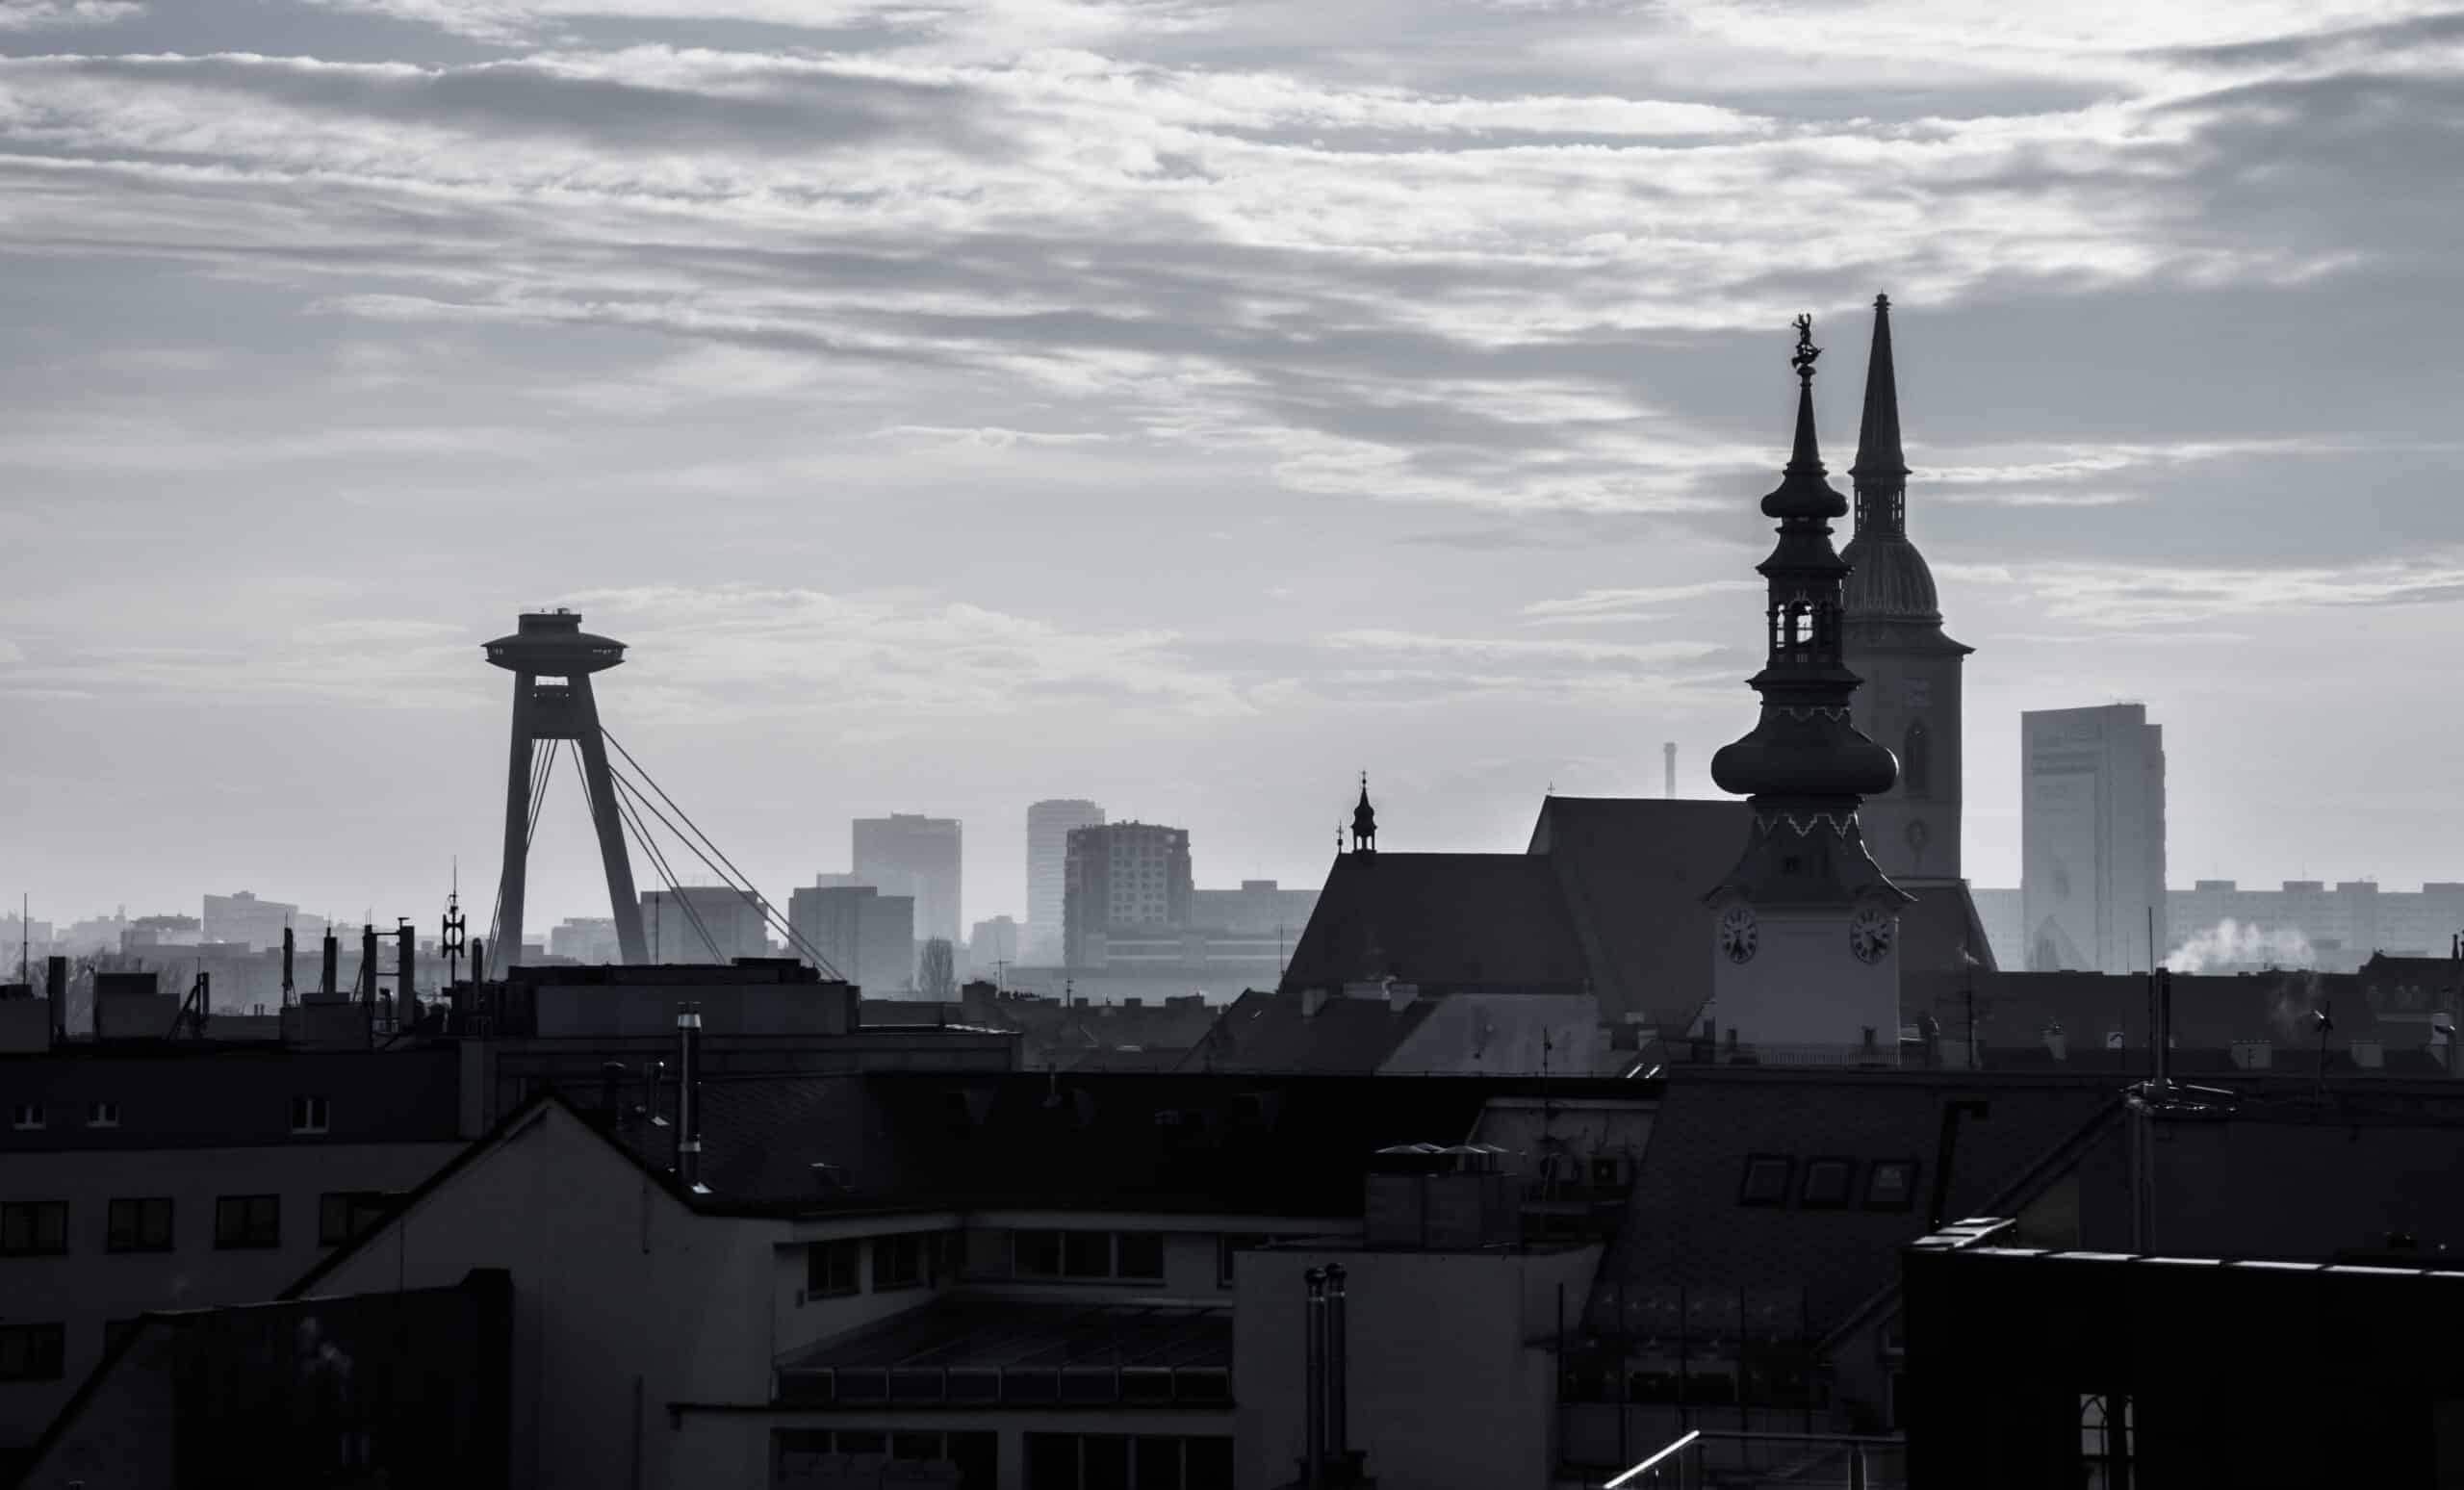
(1185, 405)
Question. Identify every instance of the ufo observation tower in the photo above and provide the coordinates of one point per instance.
(551, 658)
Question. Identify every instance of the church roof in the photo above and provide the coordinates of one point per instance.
(1889, 581)
(1273, 1032)
(1634, 871)
(1443, 921)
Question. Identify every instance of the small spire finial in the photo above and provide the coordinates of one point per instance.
(1804, 357)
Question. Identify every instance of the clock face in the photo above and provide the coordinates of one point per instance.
(1869, 934)
(1738, 935)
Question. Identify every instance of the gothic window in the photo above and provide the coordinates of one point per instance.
(2104, 1442)
(1915, 761)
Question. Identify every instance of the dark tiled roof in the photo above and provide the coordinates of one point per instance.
(1256, 1143)
(1269, 1032)
(1686, 1225)
(1443, 921)
(1939, 929)
(2208, 1013)
(1636, 870)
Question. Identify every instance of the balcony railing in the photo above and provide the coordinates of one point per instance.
(1704, 1460)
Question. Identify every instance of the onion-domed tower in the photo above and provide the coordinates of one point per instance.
(1911, 698)
(1807, 943)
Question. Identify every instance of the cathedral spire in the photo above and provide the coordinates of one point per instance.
(1881, 471)
(1364, 821)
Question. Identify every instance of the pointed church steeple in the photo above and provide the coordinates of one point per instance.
(1364, 821)
(1881, 471)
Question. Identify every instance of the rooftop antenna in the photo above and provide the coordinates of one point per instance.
(1668, 761)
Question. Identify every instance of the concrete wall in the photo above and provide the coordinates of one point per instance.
(87, 1287)
(1461, 1397)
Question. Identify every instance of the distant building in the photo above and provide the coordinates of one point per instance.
(703, 923)
(161, 931)
(241, 919)
(993, 943)
(907, 853)
(2092, 838)
(867, 936)
(1048, 827)
(2223, 926)
(1259, 907)
(585, 939)
(1123, 877)
(2004, 915)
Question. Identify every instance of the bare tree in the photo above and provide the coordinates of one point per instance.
(936, 977)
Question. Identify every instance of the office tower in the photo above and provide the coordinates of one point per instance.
(909, 853)
(1048, 827)
(993, 943)
(2092, 831)
(241, 919)
(704, 923)
(1124, 876)
(867, 936)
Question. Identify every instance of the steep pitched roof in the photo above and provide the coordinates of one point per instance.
(1634, 871)
(1443, 921)
(1685, 1223)
(1273, 1032)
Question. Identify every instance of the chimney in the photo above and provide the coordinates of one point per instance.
(479, 960)
(333, 963)
(689, 1094)
(1668, 758)
(653, 1073)
(2056, 1041)
(405, 971)
(290, 953)
(55, 978)
(1338, 1409)
(1313, 1334)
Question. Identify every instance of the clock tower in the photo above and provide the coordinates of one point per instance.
(1805, 948)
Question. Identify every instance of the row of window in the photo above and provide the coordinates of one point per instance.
(145, 1223)
(1828, 1183)
(921, 1259)
(308, 1115)
(32, 1353)
(1119, 1461)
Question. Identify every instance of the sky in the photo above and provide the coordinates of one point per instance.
(1188, 405)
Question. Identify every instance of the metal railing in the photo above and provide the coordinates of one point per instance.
(1703, 1460)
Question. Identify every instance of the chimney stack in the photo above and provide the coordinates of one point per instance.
(1313, 1331)
(405, 969)
(55, 977)
(688, 1077)
(290, 952)
(1668, 759)
(333, 963)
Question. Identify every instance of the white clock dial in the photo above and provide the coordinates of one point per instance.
(1739, 934)
(1869, 934)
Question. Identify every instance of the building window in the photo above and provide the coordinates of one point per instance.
(1891, 1184)
(1766, 1180)
(347, 1214)
(139, 1225)
(1087, 1254)
(242, 1221)
(1227, 1247)
(34, 1228)
(1916, 761)
(1034, 1254)
(834, 1269)
(1827, 1184)
(308, 1115)
(25, 1117)
(1140, 1254)
(798, 1455)
(899, 1262)
(32, 1353)
(1119, 1461)
(102, 1115)
(2104, 1441)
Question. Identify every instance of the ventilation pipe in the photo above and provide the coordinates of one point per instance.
(1313, 1331)
(688, 1077)
(55, 975)
(406, 970)
(333, 963)
(290, 952)
(1338, 1408)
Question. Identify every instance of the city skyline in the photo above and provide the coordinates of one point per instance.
(1519, 387)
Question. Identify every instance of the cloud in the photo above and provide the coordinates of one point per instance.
(2125, 597)
(2031, 498)
(39, 15)
(1592, 605)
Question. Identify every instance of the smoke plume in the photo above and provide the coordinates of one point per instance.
(2232, 943)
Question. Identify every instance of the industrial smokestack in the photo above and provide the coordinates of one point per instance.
(1668, 759)
(333, 963)
(688, 1076)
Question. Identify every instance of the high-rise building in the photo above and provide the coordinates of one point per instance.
(993, 943)
(1909, 699)
(907, 853)
(241, 919)
(1048, 827)
(704, 923)
(1259, 907)
(1122, 876)
(2092, 835)
(587, 938)
(868, 937)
